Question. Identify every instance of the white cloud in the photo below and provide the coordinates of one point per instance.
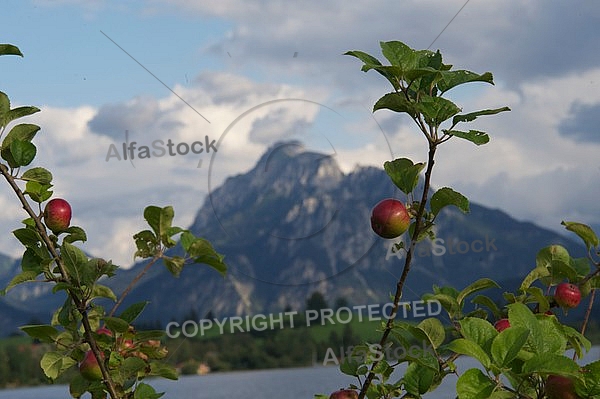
(293, 50)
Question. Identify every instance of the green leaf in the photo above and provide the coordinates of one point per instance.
(17, 113)
(449, 303)
(404, 174)
(78, 386)
(202, 252)
(434, 330)
(4, 108)
(371, 62)
(489, 303)
(9, 49)
(581, 266)
(55, 363)
(149, 334)
(74, 233)
(446, 290)
(172, 231)
(473, 384)
(174, 265)
(540, 298)
(37, 191)
(557, 260)
(533, 275)
(44, 333)
(352, 366)
(20, 278)
(130, 366)
(160, 220)
(473, 115)
(76, 263)
(37, 174)
(23, 132)
(133, 311)
(186, 240)
(396, 102)
(145, 391)
(452, 79)
(479, 285)
(507, 344)
(20, 153)
(398, 53)
(146, 243)
(163, 370)
(520, 315)
(547, 255)
(28, 237)
(466, 347)
(436, 110)
(476, 137)
(550, 363)
(116, 324)
(31, 261)
(584, 232)
(417, 379)
(589, 387)
(446, 196)
(555, 337)
(480, 331)
(103, 292)
(66, 315)
(577, 340)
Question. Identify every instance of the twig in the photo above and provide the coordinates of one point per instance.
(133, 283)
(79, 304)
(409, 254)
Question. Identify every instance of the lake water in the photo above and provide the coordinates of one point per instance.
(292, 383)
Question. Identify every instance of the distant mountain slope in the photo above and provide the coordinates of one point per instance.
(296, 224)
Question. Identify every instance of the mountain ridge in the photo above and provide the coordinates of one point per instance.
(295, 224)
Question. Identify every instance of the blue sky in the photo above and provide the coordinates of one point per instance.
(233, 56)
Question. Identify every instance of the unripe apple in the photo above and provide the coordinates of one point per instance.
(389, 218)
(57, 215)
(559, 387)
(501, 325)
(344, 394)
(567, 295)
(89, 367)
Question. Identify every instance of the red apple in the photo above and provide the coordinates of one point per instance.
(89, 367)
(344, 394)
(57, 215)
(559, 387)
(104, 331)
(501, 325)
(567, 295)
(389, 218)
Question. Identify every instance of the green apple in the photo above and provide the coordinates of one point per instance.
(89, 367)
